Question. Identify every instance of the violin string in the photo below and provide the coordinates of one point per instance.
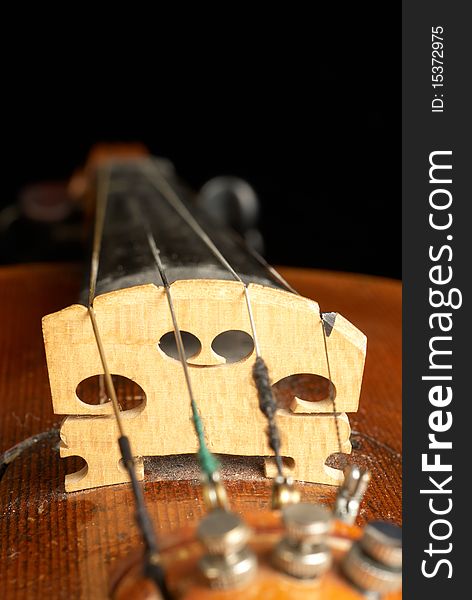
(208, 462)
(103, 185)
(261, 375)
(278, 277)
(332, 392)
(167, 191)
(288, 287)
(275, 274)
(153, 568)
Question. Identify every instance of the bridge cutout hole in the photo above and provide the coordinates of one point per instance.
(306, 386)
(92, 391)
(233, 345)
(168, 344)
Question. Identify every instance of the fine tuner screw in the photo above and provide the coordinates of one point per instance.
(214, 492)
(350, 494)
(303, 552)
(374, 563)
(284, 492)
(229, 562)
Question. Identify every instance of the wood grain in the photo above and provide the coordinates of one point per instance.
(66, 546)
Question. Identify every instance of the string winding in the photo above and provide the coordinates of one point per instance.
(268, 407)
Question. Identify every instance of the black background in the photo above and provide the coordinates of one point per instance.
(303, 104)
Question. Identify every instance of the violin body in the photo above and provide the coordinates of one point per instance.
(72, 545)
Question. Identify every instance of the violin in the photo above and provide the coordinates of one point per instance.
(189, 423)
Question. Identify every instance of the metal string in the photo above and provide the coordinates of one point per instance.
(153, 569)
(208, 462)
(288, 287)
(167, 191)
(103, 184)
(261, 377)
(332, 393)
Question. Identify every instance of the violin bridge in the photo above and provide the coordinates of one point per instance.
(133, 323)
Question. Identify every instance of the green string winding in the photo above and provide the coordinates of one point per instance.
(208, 463)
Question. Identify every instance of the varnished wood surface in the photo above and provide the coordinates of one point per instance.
(65, 546)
